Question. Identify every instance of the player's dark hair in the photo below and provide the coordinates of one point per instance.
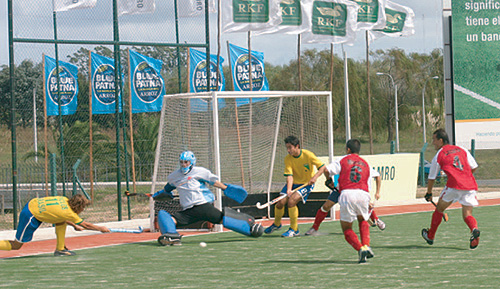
(354, 145)
(441, 134)
(78, 203)
(293, 140)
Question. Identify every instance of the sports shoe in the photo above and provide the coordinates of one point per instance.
(272, 228)
(380, 224)
(291, 233)
(363, 254)
(64, 252)
(170, 239)
(370, 253)
(425, 235)
(312, 232)
(474, 239)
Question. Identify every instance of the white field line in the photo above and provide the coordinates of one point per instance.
(477, 96)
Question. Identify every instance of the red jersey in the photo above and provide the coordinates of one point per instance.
(354, 173)
(454, 162)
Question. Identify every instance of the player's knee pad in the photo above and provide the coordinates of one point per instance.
(241, 223)
(166, 223)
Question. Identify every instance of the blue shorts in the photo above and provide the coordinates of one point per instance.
(334, 196)
(27, 225)
(304, 192)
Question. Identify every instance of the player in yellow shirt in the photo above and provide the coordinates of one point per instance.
(299, 164)
(55, 210)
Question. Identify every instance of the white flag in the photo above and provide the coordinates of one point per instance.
(249, 15)
(135, 6)
(399, 22)
(65, 5)
(296, 18)
(192, 8)
(332, 21)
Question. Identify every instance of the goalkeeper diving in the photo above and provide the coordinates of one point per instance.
(197, 200)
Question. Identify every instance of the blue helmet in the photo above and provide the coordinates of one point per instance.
(187, 156)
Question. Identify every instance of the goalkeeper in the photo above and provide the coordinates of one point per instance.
(56, 210)
(196, 202)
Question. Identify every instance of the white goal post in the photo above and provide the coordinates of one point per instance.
(239, 135)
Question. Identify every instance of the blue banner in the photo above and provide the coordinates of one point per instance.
(103, 85)
(240, 66)
(198, 79)
(147, 85)
(68, 80)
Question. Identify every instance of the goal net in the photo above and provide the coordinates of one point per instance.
(239, 135)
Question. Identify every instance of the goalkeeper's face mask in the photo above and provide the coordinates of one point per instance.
(185, 166)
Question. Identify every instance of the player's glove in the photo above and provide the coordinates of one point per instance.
(330, 184)
(428, 197)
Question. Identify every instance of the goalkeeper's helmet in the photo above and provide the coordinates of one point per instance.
(187, 156)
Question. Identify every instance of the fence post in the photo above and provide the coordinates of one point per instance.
(473, 147)
(53, 175)
(393, 146)
(422, 167)
(75, 167)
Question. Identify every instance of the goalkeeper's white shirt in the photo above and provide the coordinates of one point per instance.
(192, 186)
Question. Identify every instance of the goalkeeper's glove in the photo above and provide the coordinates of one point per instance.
(428, 197)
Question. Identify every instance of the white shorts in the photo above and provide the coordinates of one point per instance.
(465, 198)
(352, 204)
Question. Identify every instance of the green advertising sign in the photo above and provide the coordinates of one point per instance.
(250, 11)
(329, 18)
(291, 12)
(368, 10)
(395, 21)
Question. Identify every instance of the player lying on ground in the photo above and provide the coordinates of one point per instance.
(299, 165)
(354, 176)
(459, 166)
(196, 202)
(55, 210)
(333, 199)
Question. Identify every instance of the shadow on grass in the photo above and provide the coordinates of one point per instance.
(310, 262)
(420, 247)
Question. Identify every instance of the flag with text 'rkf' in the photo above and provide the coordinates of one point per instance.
(240, 67)
(135, 6)
(65, 5)
(332, 21)
(146, 83)
(68, 83)
(249, 15)
(399, 23)
(193, 8)
(104, 85)
(198, 79)
(296, 18)
(371, 14)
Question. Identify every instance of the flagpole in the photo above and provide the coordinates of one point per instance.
(219, 27)
(346, 96)
(131, 125)
(189, 90)
(91, 134)
(368, 91)
(331, 67)
(250, 113)
(45, 130)
(300, 88)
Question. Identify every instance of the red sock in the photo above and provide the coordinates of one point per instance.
(320, 216)
(373, 216)
(364, 232)
(471, 222)
(435, 221)
(352, 239)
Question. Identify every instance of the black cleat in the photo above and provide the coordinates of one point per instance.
(170, 239)
(64, 252)
(474, 239)
(425, 235)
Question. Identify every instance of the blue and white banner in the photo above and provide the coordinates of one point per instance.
(68, 82)
(240, 66)
(147, 85)
(103, 85)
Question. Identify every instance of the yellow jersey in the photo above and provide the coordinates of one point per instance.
(302, 167)
(53, 210)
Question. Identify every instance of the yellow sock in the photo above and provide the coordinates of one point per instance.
(278, 214)
(61, 235)
(293, 213)
(5, 245)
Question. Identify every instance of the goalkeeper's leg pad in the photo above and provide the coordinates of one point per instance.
(241, 223)
(166, 223)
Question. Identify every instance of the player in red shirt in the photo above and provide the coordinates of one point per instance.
(459, 166)
(354, 175)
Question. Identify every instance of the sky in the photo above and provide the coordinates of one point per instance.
(278, 49)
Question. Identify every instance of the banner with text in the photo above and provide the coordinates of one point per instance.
(147, 85)
(103, 85)
(193, 8)
(296, 17)
(68, 84)
(371, 14)
(249, 15)
(399, 22)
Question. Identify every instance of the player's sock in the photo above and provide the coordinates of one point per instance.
(60, 235)
(471, 222)
(278, 214)
(435, 221)
(293, 213)
(364, 232)
(373, 216)
(352, 239)
(5, 245)
(320, 216)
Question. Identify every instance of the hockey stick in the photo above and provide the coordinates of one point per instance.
(135, 231)
(275, 200)
(129, 194)
(445, 215)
